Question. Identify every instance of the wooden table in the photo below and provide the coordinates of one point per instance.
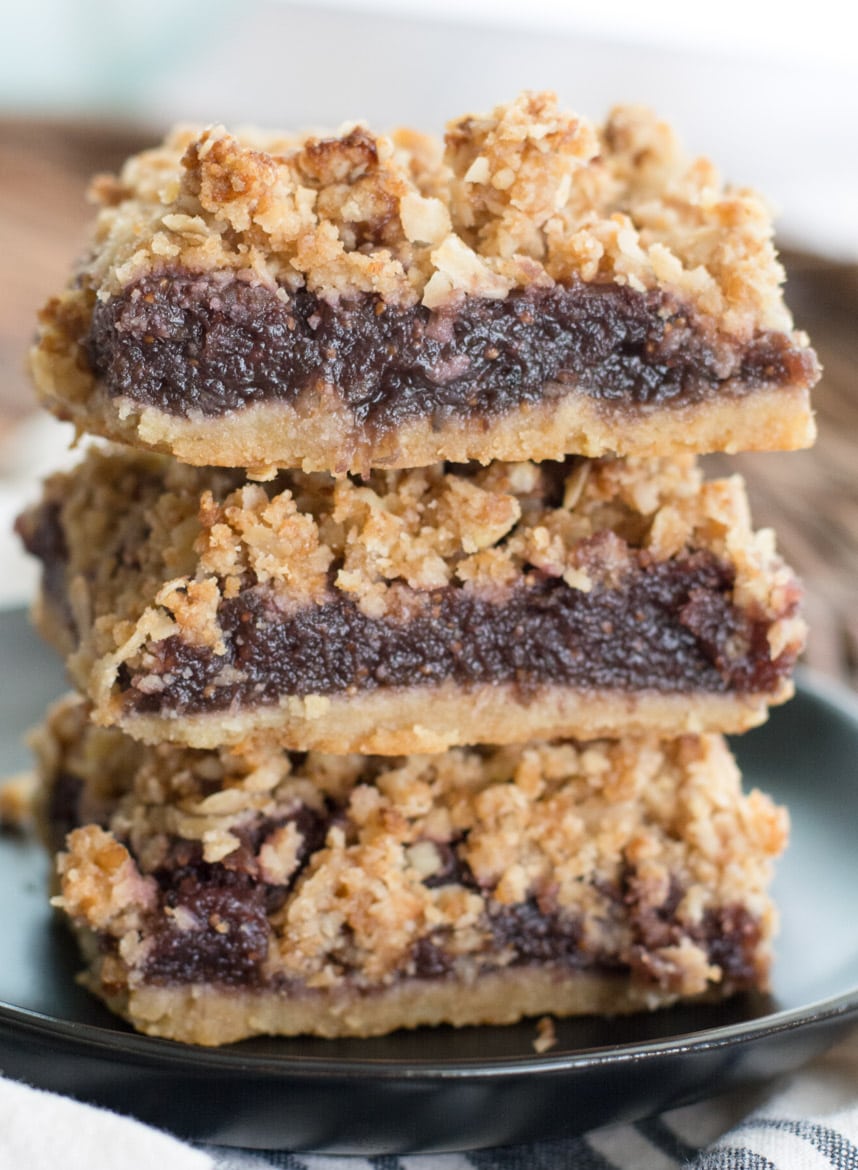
(809, 497)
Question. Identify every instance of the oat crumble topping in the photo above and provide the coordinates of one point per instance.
(529, 194)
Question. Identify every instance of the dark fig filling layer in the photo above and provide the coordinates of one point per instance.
(196, 344)
(669, 627)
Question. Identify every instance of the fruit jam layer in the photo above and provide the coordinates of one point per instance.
(669, 627)
(194, 344)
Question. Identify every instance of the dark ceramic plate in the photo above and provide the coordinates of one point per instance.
(448, 1089)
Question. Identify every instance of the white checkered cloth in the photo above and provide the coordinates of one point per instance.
(806, 1122)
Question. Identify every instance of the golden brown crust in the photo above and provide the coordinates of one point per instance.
(432, 719)
(155, 549)
(557, 825)
(211, 1015)
(327, 439)
(17, 794)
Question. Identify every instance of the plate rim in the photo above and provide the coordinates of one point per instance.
(92, 1039)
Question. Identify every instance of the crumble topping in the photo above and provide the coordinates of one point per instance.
(527, 194)
(557, 826)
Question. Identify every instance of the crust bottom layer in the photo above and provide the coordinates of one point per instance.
(324, 437)
(210, 1015)
(431, 719)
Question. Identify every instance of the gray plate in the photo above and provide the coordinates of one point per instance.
(444, 1089)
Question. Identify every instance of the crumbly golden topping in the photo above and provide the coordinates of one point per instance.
(558, 824)
(155, 547)
(527, 194)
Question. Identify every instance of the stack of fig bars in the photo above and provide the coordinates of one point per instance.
(404, 624)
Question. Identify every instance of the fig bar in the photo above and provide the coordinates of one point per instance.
(414, 610)
(536, 287)
(220, 894)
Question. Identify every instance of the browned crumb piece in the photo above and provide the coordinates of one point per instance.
(538, 286)
(228, 893)
(546, 1035)
(417, 609)
(16, 801)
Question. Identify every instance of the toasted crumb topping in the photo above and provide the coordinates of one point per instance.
(559, 826)
(527, 194)
(155, 547)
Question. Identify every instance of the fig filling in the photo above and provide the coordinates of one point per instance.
(671, 627)
(195, 344)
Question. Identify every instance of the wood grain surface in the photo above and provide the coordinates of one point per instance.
(809, 497)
